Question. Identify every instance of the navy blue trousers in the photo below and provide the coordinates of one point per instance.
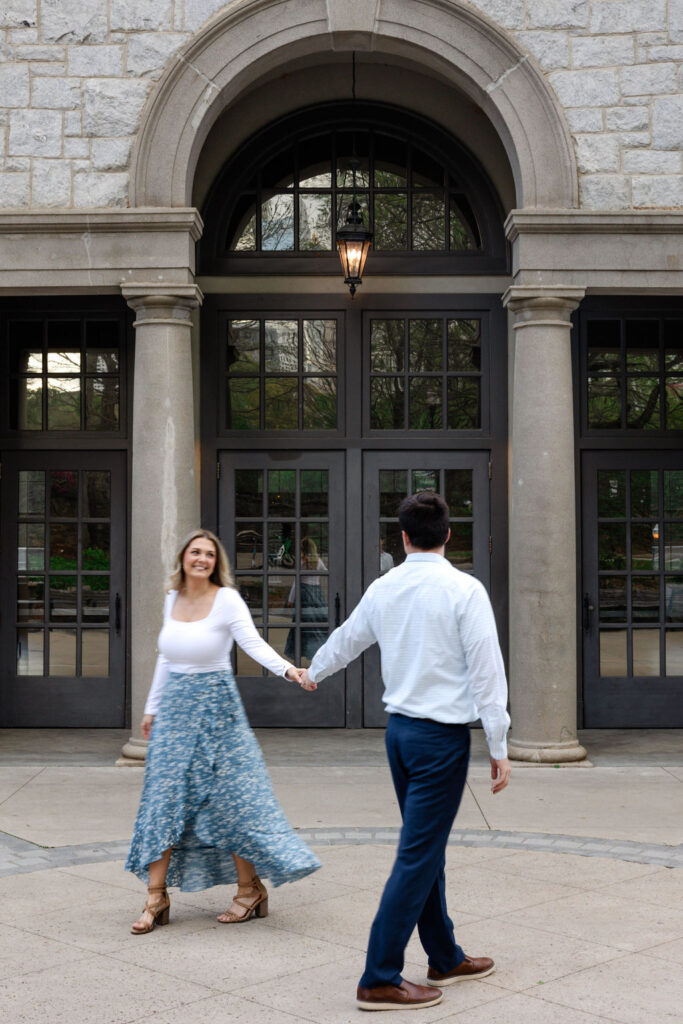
(428, 763)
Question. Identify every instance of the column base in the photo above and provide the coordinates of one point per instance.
(133, 754)
(545, 753)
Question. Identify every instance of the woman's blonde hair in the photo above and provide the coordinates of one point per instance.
(221, 575)
(309, 553)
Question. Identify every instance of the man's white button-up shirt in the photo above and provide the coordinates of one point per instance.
(438, 643)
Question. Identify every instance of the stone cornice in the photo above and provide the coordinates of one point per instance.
(141, 219)
(592, 222)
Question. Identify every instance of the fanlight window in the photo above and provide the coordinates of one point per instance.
(299, 197)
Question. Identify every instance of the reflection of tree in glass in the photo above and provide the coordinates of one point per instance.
(320, 346)
(315, 222)
(277, 223)
(425, 345)
(642, 403)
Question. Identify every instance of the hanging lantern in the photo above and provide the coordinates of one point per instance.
(353, 240)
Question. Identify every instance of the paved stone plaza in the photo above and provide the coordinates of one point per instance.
(571, 880)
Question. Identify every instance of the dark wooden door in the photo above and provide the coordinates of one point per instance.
(281, 517)
(388, 477)
(63, 589)
(633, 590)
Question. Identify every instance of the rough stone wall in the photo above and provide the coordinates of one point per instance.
(75, 75)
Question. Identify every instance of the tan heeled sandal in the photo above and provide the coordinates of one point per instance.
(256, 906)
(158, 911)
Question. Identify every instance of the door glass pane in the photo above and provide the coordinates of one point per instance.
(95, 598)
(282, 346)
(458, 491)
(613, 599)
(95, 652)
(611, 546)
(246, 666)
(673, 596)
(64, 362)
(311, 640)
(102, 360)
(674, 403)
(320, 346)
(62, 652)
(282, 492)
(64, 494)
(387, 345)
(391, 551)
(429, 221)
(251, 592)
(459, 546)
(646, 652)
(645, 598)
(315, 222)
(425, 345)
(464, 345)
(64, 546)
(673, 546)
(281, 597)
(393, 488)
(644, 494)
(96, 546)
(674, 652)
(314, 598)
(282, 403)
(604, 403)
(644, 546)
(602, 358)
(314, 484)
(31, 492)
(611, 493)
(279, 638)
(249, 492)
(391, 222)
(30, 598)
(281, 552)
(320, 403)
(425, 480)
(29, 652)
(63, 598)
(464, 405)
(243, 346)
(31, 546)
(642, 403)
(63, 403)
(29, 415)
(243, 404)
(642, 345)
(96, 494)
(673, 493)
(277, 223)
(248, 545)
(314, 546)
(386, 403)
(425, 403)
(613, 652)
(101, 403)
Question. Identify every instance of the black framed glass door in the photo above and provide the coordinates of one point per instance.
(281, 517)
(633, 590)
(63, 587)
(388, 477)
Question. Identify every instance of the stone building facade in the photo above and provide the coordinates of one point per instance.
(160, 161)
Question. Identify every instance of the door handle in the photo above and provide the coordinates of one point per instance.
(337, 611)
(117, 613)
(588, 609)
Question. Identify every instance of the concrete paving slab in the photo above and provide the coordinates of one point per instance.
(110, 873)
(610, 802)
(224, 1009)
(24, 897)
(312, 889)
(676, 772)
(631, 990)
(663, 887)
(671, 951)
(568, 869)
(605, 920)
(94, 988)
(23, 952)
(13, 779)
(524, 1008)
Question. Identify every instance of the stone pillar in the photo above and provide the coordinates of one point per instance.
(543, 528)
(164, 496)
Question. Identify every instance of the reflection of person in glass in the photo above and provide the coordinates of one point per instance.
(313, 603)
(208, 815)
(386, 559)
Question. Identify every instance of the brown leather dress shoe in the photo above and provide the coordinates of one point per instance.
(405, 996)
(471, 967)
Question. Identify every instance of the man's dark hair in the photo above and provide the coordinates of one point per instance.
(424, 517)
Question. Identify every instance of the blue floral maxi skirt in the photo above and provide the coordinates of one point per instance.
(207, 793)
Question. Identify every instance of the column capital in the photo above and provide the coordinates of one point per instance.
(538, 305)
(162, 303)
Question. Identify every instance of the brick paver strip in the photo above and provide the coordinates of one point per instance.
(18, 856)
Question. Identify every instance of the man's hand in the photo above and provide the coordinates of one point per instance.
(500, 773)
(307, 682)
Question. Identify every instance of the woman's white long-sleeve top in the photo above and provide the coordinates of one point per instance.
(205, 645)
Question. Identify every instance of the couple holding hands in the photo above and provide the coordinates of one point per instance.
(208, 815)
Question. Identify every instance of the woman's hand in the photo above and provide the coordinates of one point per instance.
(146, 726)
(300, 676)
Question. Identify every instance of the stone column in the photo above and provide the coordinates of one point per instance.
(542, 528)
(164, 496)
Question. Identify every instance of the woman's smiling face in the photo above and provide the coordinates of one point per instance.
(199, 558)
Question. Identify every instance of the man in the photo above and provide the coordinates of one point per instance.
(442, 668)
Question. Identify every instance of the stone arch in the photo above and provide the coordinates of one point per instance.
(454, 41)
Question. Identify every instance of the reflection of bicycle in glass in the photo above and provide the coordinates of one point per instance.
(283, 557)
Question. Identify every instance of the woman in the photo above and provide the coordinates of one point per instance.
(207, 813)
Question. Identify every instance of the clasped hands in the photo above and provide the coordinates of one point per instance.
(301, 676)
